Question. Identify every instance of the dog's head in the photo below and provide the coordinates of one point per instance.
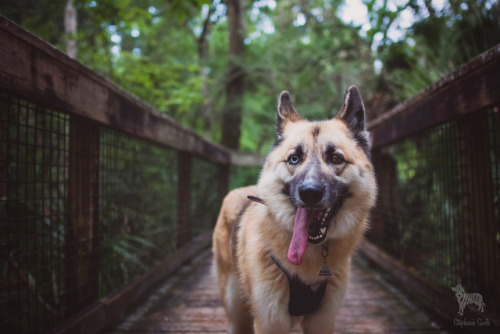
(459, 290)
(318, 180)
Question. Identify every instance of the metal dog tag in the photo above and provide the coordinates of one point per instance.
(324, 271)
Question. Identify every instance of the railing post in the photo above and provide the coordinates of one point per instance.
(82, 229)
(385, 213)
(185, 166)
(224, 176)
(477, 231)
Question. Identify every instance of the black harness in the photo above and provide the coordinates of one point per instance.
(304, 298)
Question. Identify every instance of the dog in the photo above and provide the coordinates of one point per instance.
(465, 298)
(283, 248)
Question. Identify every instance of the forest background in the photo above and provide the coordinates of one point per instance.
(218, 66)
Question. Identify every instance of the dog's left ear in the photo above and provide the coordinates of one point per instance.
(353, 115)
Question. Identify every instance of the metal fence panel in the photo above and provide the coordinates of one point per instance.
(85, 210)
(438, 208)
(34, 146)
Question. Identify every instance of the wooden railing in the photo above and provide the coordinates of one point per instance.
(101, 196)
(437, 220)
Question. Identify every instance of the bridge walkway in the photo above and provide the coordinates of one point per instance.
(189, 302)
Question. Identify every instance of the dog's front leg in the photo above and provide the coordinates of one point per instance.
(270, 309)
(238, 312)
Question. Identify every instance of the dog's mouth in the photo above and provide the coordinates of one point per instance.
(318, 227)
(310, 226)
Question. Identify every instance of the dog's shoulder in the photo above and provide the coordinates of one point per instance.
(235, 200)
(232, 206)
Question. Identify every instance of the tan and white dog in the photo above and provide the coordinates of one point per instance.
(286, 258)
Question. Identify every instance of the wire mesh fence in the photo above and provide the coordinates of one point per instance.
(138, 207)
(85, 210)
(33, 165)
(206, 196)
(438, 206)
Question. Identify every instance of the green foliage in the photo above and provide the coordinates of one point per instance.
(44, 17)
(170, 88)
(436, 44)
(146, 51)
(243, 176)
(151, 48)
(312, 54)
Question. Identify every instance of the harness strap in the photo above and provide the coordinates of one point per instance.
(304, 298)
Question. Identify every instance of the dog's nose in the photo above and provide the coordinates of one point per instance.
(311, 194)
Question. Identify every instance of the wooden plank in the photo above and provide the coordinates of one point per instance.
(37, 71)
(472, 87)
(112, 308)
(244, 159)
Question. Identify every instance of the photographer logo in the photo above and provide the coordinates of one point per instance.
(464, 299)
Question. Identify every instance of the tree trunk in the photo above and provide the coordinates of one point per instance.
(498, 12)
(235, 77)
(70, 24)
(203, 53)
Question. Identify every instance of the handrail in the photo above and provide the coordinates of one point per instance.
(31, 67)
(244, 159)
(471, 87)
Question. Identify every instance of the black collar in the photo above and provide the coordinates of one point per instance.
(304, 298)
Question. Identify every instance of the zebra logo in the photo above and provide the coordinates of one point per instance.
(465, 298)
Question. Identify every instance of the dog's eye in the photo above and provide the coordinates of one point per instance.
(293, 159)
(337, 158)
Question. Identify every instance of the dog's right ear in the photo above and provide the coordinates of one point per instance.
(285, 113)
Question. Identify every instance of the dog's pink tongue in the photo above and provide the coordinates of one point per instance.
(299, 237)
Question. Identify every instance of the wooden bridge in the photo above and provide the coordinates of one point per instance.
(189, 303)
(107, 207)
